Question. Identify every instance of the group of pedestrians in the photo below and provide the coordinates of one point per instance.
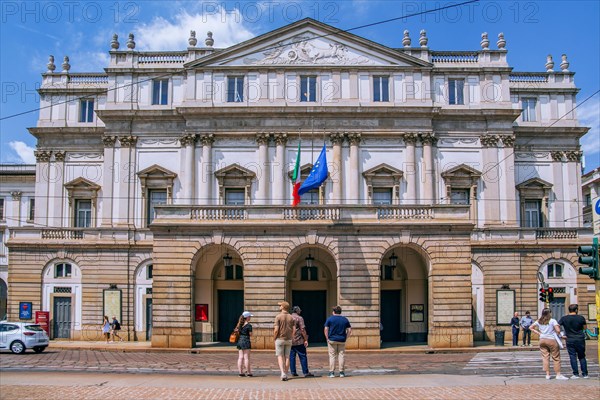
(291, 341)
(551, 336)
(111, 328)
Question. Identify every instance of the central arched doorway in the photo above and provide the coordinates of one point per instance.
(403, 296)
(312, 285)
(218, 293)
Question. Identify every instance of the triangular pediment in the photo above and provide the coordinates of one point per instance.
(156, 172)
(81, 184)
(382, 170)
(234, 171)
(462, 170)
(534, 183)
(304, 170)
(308, 43)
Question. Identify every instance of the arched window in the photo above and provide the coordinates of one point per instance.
(554, 270)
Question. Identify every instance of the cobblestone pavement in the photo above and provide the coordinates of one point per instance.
(62, 386)
(224, 362)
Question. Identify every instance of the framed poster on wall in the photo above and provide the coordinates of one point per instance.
(591, 311)
(505, 306)
(112, 303)
(417, 312)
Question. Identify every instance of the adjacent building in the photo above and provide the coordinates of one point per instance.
(164, 190)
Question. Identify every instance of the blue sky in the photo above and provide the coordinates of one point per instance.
(32, 30)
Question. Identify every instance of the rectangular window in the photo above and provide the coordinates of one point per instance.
(62, 270)
(235, 197)
(235, 89)
(86, 110)
(156, 197)
(149, 271)
(382, 196)
(309, 274)
(459, 196)
(1, 209)
(533, 213)
(31, 210)
(555, 271)
(160, 91)
(387, 273)
(308, 89)
(381, 89)
(233, 272)
(456, 89)
(83, 213)
(528, 110)
(588, 200)
(310, 197)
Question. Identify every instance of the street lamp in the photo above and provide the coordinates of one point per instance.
(227, 260)
(309, 260)
(393, 260)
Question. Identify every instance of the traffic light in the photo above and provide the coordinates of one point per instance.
(542, 295)
(588, 255)
(550, 293)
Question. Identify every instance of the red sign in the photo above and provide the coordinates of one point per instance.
(202, 312)
(42, 318)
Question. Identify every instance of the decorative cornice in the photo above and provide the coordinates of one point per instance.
(280, 139)
(354, 138)
(207, 140)
(128, 141)
(508, 140)
(574, 155)
(42, 155)
(59, 156)
(109, 141)
(557, 155)
(262, 138)
(336, 138)
(410, 138)
(16, 195)
(188, 139)
(489, 140)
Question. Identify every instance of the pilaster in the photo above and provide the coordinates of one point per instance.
(410, 168)
(279, 183)
(205, 194)
(108, 180)
(353, 174)
(490, 176)
(336, 172)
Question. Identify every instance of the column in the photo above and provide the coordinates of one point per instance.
(490, 178)
(56, 192)
(429, 170)
(410, 168)
(263, 164)
(42, 166)
(510, 206)
(126, 194)
(205, 195)
(16, 207)
(280, 184)
(188, 142)
(572, 186)
(558, 205)
(108, 179)
(353, 196)
(335, 172)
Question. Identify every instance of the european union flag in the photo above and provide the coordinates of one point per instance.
(317, 175)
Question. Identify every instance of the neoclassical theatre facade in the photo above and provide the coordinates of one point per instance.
(163, 190)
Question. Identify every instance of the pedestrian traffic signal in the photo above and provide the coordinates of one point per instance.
(550, 293)
(588, 255)
(542, 295)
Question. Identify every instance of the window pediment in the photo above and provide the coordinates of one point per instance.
(461, 176)
(81, 188)
(235, 176)
(304, 171)
(383, 174)
(534, 188)
(156, 176)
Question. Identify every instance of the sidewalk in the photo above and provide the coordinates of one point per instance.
(392, 348)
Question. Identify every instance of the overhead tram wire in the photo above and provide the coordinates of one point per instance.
(166, 75)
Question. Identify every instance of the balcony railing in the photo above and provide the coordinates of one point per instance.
(68, 234)
(405, 213)
(454, 57)
(528, 77)
(555, 233)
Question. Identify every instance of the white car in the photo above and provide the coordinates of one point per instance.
(20, 336)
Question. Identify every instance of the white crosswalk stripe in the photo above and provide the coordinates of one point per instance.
(521, 363)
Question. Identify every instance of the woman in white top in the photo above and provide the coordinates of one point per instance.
(550, 343)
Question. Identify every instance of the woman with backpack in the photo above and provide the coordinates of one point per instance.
(116, 327)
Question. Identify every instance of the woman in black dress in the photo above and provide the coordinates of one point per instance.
(244, 345)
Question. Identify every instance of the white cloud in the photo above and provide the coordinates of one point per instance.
(24, 152)
(589, 115)
(164, 34)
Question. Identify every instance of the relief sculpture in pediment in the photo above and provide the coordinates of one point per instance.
(304, 49)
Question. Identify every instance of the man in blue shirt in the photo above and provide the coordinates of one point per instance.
(337, 330)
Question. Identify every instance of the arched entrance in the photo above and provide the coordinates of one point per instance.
(561, 276)
(3, 299)
(143, 301)
(477, 303)
(312, 285)
(62, 297)
(218, 293)
(403, 296)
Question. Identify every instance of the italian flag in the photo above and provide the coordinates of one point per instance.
(296, 179)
